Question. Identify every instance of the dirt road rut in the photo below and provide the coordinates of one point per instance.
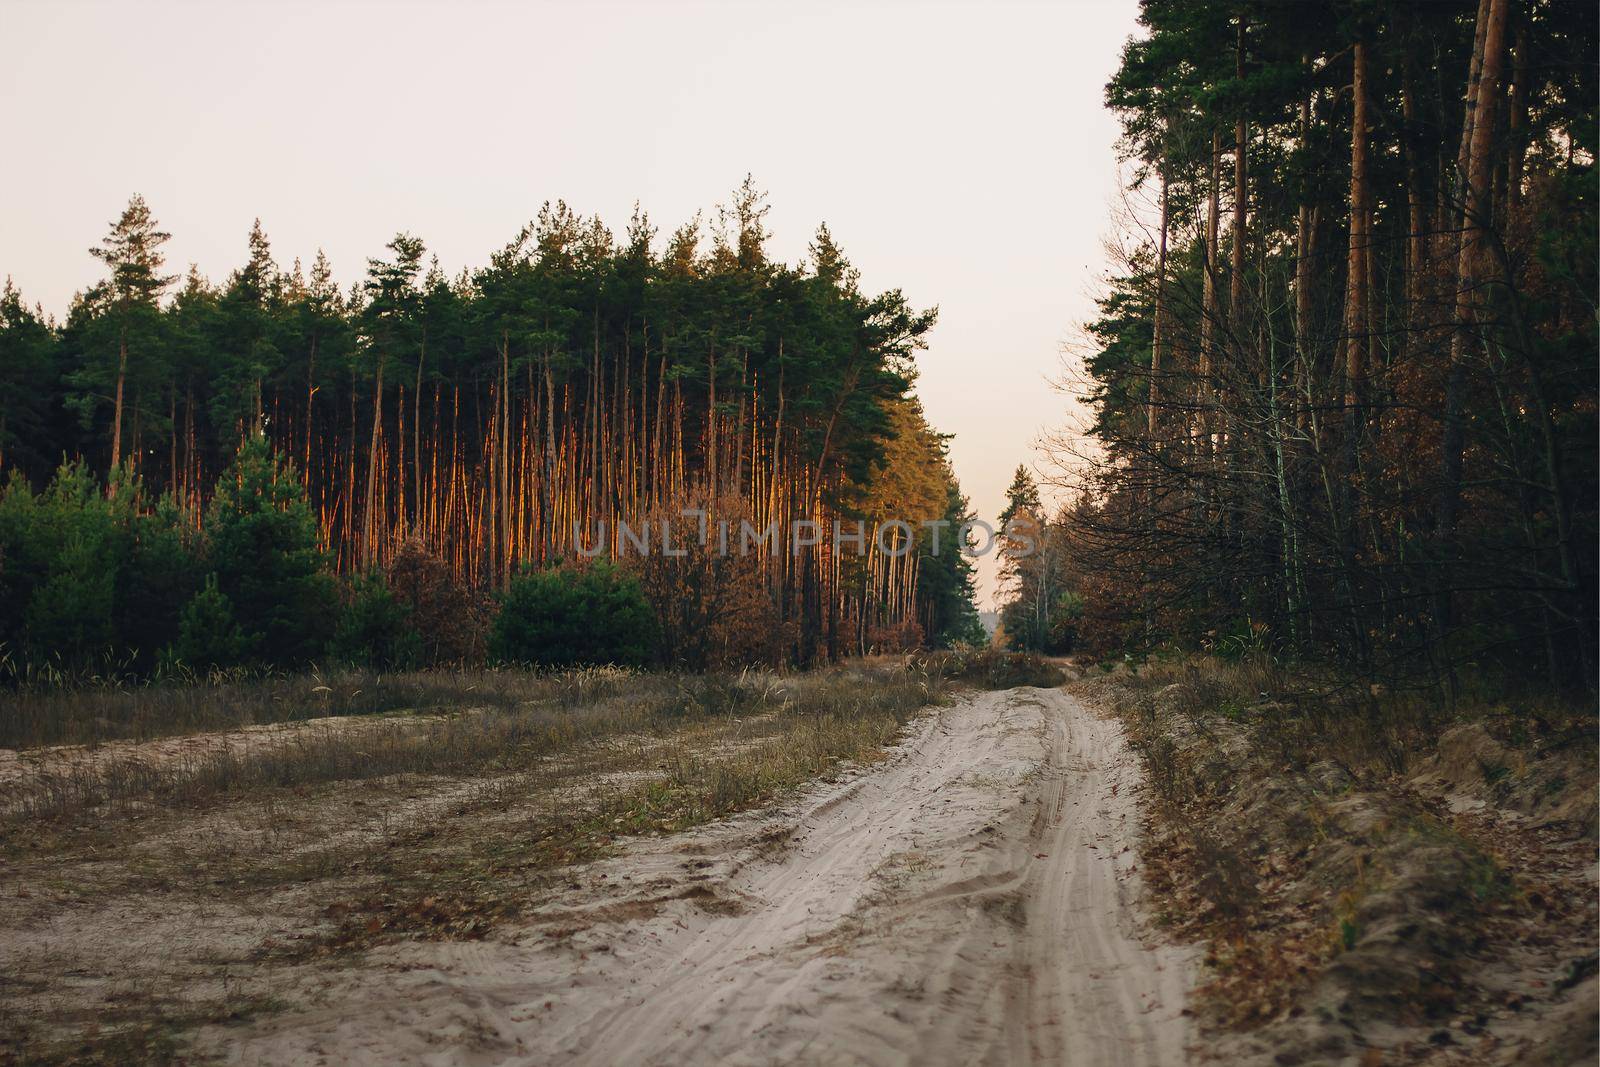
(971, 900)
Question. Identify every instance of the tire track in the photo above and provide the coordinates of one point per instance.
(971, 900)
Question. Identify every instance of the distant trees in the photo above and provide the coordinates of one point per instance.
(576, 382)
(910, 584)
(1356, 412)
(946, 581)
(1042, 608)
(28, 382)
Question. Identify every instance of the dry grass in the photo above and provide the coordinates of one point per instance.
(525, 721)
(1296, 831)
(1297, 718)
(89, 715)
(994, 668)
(269, 854)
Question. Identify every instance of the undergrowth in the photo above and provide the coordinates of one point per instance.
(1284, 832)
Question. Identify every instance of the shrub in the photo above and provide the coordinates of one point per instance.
(162, 575)
(89, 578)
(713, 607)
(261, 543)
(1064, 620)
(70, 612)
(996, 668)
(570, 617)
(450, 618)
(899, 636)
(208, 634)
(1241, 640)
(375, 628)
(59, 556)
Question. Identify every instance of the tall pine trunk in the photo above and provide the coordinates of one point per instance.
(1160, 317)
(1475, 219)
(370, 522)
(116, 417)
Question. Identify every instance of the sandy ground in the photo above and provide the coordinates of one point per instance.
(970, 900)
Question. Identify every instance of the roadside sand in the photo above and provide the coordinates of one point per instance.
(971, 900)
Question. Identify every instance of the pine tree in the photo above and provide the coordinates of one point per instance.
(578, 379)
(1399, 173)
(127, 347)
(250, 318)
(261, 546)
(28, 374)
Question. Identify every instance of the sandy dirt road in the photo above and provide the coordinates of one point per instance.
(970, 900)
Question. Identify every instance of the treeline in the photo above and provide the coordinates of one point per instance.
(1345, 384)
(101, 584)
(493, 420)
(1043, 609)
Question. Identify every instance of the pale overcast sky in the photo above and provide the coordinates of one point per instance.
(957, 151)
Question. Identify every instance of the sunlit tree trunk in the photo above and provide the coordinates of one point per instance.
(116, 417)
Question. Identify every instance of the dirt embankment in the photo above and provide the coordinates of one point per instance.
(1367, 893)
(972, 900)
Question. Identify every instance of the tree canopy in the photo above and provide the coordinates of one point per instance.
(1344, 388)
(575, 381)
